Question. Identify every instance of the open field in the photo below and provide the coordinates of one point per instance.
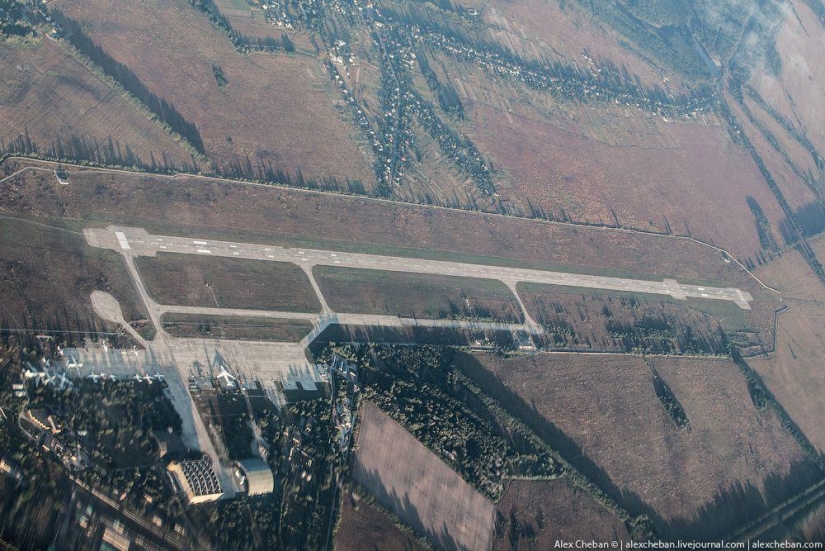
(818, 245)
(418, 486)
(793, 188)
(794, 374)
(48, 275)
(798, 91)
(620, 322)
(792, 276)
(536, 28)
(49, 96)
(416, 295)
(363, 526)
(185, 205)
(602, 412)
(698, 187)
(235, 328)
(275, 109)
(551, 510)
(188, 280)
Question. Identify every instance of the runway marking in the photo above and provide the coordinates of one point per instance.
(204, 251)
(200, 242)
(121, 238)
(163, 246)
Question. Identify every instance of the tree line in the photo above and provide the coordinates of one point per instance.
(124, 76)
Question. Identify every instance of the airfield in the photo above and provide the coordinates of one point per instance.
(275, 366)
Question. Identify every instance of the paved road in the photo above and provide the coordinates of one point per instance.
(137, 242)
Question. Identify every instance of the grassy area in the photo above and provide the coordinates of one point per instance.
(165, 207)
(48, 275)
(416, 295)
(731, 316)
(616, 321)
(189, 280)
(236, 328)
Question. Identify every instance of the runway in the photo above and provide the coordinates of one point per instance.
(137, 242)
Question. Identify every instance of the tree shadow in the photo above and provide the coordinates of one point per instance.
(405, 510)
(731, 507)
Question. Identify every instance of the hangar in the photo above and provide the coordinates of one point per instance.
(255, 476)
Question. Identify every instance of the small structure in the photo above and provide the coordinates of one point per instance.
(169, 443)
(255, 476)
(197, 479)
(44, 420)
(116, 539)
(11, 470)
(524, 341)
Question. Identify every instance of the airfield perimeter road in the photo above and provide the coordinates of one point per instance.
(137, 242)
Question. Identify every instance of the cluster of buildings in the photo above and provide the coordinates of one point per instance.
(44, 428)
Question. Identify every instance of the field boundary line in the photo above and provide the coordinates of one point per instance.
(323, 193)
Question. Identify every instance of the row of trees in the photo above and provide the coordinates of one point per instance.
(89, 151)
(128, 80)
(242, 43)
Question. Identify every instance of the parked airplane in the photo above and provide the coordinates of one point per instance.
(64, 381)
(74, 364)
(158, 376)
(228, 378)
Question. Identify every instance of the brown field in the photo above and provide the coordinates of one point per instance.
(794, 189)
(796, 152)
(792, 276)
(696, 188)
(190, 280)
(701, 480)
(235, 328)
(365, 527)
(416, 295)
(538, 26)
(798, 92)
(551, 510)
(49, 95)
(418, 486)
(249, 20)
(794, 374)
(619, 322)
(818, 245)
(276, 109)
(49, 274)
(186, 205)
